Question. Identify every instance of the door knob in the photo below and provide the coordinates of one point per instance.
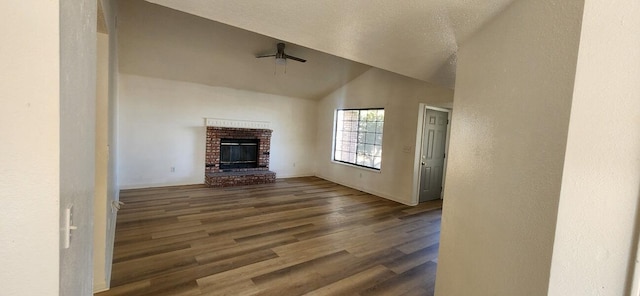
(423, 163)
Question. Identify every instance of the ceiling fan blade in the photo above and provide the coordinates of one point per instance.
(295, 58)
(266, 56)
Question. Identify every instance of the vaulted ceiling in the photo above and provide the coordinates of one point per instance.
(215, 42)
(160, 42)
(415, 38)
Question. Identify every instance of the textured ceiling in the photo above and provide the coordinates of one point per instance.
(416, 38)
(160, 42)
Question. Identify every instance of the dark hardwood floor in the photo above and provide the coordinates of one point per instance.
(302, 236)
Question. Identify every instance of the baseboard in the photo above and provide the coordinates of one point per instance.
(100, 287)
(284, 176)
(158, 185)
(373, 192)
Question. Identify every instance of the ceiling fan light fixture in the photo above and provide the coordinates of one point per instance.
(281, 61)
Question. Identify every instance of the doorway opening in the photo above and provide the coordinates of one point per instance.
(432, 143)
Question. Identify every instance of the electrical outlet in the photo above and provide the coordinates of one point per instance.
(173, 169)
(294, 164)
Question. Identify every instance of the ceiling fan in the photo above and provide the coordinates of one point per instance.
(281, 57)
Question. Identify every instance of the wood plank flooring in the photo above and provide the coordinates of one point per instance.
(302, 236)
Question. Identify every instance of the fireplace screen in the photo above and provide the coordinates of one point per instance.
(239, 153)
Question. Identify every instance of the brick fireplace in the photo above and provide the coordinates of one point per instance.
(237, 156)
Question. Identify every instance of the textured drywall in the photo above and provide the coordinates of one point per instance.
(29, 129)
(418, 39)
(77, 141)
(160, 42)
(594, 248)
(400, 97)
(161, 125)
(508, 136)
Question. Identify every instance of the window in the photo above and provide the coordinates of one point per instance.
(358, 137)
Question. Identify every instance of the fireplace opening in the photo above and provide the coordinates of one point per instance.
(239, 153)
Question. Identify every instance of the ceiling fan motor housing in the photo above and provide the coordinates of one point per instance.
(282, 57)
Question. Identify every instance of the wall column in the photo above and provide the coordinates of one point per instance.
(512, 106)
(595, 247)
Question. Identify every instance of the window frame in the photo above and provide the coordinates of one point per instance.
(358, 143)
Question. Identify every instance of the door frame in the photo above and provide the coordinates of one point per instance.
(422, 112)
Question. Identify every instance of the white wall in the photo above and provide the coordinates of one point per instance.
(29, 129)
(161, 125)
(400, 97)
(594, 248)
(508, 136)
(77, 140)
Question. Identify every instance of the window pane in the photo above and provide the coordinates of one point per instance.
(363, 115)
(369, 161)
(339, 135)
(371, 126)
(358, 137)
(377, 161)
(378, 151)
(360, 159)
(370, 138)
(351, 115)
(350, 125)
(352, 158)
(353, 137)
(379, 139)
(338, 155)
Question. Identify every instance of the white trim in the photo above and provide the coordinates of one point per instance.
(220, 122)
(287, 176)
(170, 184)
(333, 135)
(111, 239)
(154, 185)
(415, 195)
(418, 151)
(100, 287)
(635, 285)
(357, 166)
(379, 194)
